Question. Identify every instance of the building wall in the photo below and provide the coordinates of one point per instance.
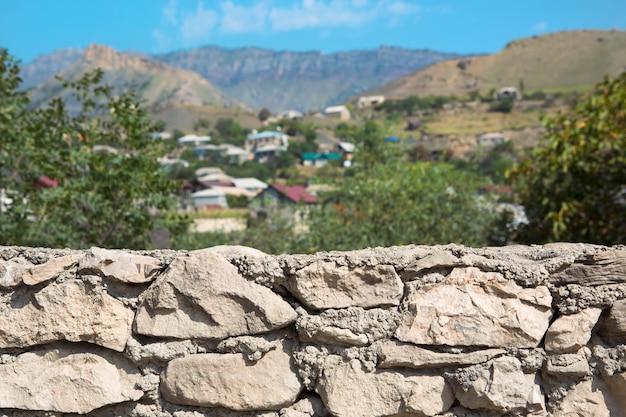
(230, 331)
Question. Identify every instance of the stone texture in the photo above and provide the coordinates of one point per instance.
(571, 332)
(323, 285)
(63, 380)
(70, 310)
(351, 326)
(119, 265)
(583, 400)
(613, 329)
(348, 391)
(228, 380)
(617, 386)
(49, 270)
(475, 308)
(11, 272)
(393, 354)
(607, 267)
(436, 260)
(203, 296)
(568, 366)
(501, 385)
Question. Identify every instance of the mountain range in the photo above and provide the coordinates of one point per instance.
(277, 80)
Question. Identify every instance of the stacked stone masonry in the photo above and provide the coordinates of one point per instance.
(233, 332)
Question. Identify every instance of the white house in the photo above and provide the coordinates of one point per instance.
(209, 198)
(193, 140)
(338, 112)
(279, 139)
(492, 139)
(251, 184)
(368, 101)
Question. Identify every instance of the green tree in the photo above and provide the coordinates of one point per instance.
(231, 131)
(264, 114)
(398, 203)
(105, 186)
(573, 186)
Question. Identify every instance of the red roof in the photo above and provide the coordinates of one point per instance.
(295, 193)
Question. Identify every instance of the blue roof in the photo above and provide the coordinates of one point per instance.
(268, 134)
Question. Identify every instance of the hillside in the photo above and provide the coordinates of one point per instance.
(562, 61)
(156, 83)
(281, 80)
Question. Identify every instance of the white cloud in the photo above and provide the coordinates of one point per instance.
(403, 8)
(241, 19)
(540, 27)
(320, 13)
(197, 27)
(170, 12)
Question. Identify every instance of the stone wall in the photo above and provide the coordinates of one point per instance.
(230, 331)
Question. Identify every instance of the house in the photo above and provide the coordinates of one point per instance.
(251, 184)
(278, 194)
(225, 152)
(319, 159)
(209, 198)
(507, 92)
(337, 112)
(193, 140)
(346, 150)
(255, 140)
(267, 153)
(369, 101)
(492, 139)
(290, 115)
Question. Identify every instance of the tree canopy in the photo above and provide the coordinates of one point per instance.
(80, 180)
(573, 186)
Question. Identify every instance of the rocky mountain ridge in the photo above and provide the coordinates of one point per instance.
(259, 77)
(157, 84)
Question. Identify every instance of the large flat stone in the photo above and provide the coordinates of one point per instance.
(324, 285)
(571, 332)
(475, 308)
(70, 310)
(584, 399)
(228, 380)
(49, 270)
(501, 385)
(120, 265)
(349, 391)
(203, 296)
(65, 381)
(607, 267)
(402, 355)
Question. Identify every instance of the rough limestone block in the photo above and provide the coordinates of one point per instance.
(436, 260)
(617, 386)
(584, 399)
(348, 391)
(393, 354)
(11, 272)
(203, 296)
(70, 310)
(230, 381)
(324, 284)
(66, 381)
(501, 386)
(613, 329)
(120, 265)
(51, 269)
(571, 332)
(475, 308)
(568, 366)
(607, 267)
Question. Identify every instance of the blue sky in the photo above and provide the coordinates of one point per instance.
(33, 27)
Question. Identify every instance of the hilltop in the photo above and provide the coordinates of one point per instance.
(157, 84)
(562, 61)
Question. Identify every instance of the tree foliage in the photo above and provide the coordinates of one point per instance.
(104, 185)
(397, 203)
(574, 185)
